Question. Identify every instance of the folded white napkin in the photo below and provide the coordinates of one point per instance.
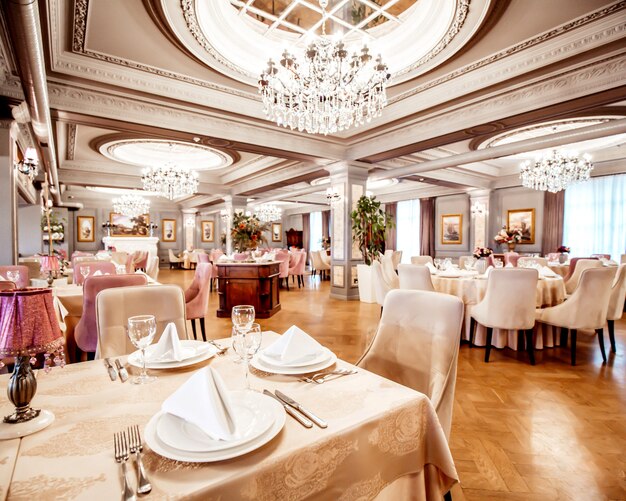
(509, 265)
(2, 278)
(431, 268)
(223, 257)
(293, 346)
(203, 401)
(547, 272)
(168, 349)
(608, 262)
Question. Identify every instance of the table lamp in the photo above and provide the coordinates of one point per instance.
(28, 326)
(50, 264)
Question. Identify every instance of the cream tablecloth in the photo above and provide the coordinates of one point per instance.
(550, 291)
(378, 431)
(8, 455)
(559, 269)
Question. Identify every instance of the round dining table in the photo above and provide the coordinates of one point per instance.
(471, 289)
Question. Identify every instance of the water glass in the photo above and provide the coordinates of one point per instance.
(246, 344)
(437, 262)
(141, 330)
(84, 271)
(243, 316)
(498, 262)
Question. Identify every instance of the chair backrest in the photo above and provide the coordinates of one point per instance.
(381, 286)
(601, 256)
(396, 258)
(421, 260)
(572, 266)
(23, 281)
(172, 256)
(6, 285)
(463, 260)
(105, 267)
(511, 257)
(140, 259)
(81, 254)
(203, 258)
(389, 273)
(152, 270)
(115, 306)
(119, 257)
(215, 254)
(415, 277)
(86, 332)
(301, 265)
(197, 295)
(283, 257)
(510, 299)
(618, 294)
(581, 265)
(541, 261)
(417, 345)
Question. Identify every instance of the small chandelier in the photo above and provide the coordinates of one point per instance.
(555, 171)
(28, 165)
(326, 90)
(332, 197)
(170, 181)
(131, 205)
(268, 212)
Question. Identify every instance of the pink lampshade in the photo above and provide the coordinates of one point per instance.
(28, 324)
(49, 263)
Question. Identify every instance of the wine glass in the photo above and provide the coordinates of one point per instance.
(498, 262)
(84, 271)
(437, 262)
(14, 276)
(246, 344)
(141, 330)
(242, 316)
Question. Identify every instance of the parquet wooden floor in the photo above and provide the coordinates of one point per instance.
(548, 432)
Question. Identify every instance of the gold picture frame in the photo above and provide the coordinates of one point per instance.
(451, 229)
(277, 230)
(168, 230)
(85, 229)
(208, 231)
(524, 219)
(125, 226)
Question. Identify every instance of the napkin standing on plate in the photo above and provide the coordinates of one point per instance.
(203, 401)
(294, 345)
(547, 272)
(168, 348)
(431, 268)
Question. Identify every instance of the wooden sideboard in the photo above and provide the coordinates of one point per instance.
(248, 283)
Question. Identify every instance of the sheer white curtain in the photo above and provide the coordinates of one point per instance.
(408, 229)
(595, 217)
(315, 228)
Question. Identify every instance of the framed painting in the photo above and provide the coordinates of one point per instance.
(451, 229)
(126, 226)
(85, 229)
(523, 219)
(208, 231)
(277, 229)
(168, 230)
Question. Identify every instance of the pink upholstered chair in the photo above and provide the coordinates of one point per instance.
(80, 254)
(6, 285)
(21, 282)
(283, 257)
(240, 256)
(105, 267)
(86, 332)
(197, 297)
(297, 270)
(140, 260)
(601, 256)
(511, 257)
(203, 258)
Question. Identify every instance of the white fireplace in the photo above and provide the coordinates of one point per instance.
(132, 244)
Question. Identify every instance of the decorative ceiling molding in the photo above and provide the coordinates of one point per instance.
(71, 141)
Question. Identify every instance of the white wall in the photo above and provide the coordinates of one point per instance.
(29, 234)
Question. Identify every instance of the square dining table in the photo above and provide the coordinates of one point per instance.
(382, 438)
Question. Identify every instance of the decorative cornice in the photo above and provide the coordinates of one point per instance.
(71, 141)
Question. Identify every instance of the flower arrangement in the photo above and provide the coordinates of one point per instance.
(482, 252)
(563, 249)
(247, 231)
(508, 236)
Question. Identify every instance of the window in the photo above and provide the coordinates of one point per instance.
(595, 217)
(315, 230)
(408, 229)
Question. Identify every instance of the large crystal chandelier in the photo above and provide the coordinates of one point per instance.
(131, 205)
(170, 181)
(555, 171)
(326, 90)
(268, 212)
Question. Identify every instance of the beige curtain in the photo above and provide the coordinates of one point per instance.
(427, 226)
(391, 236)
(553, 211)
(306, 234)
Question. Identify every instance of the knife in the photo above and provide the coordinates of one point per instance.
(122, 370)
(319, 422)
(112, 372)
(291, 411)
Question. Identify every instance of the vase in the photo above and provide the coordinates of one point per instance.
(511, 246)
(562, 257)
(481, 265)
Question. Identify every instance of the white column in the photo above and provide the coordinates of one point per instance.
(8, 196)
(479, 210)
(232, 204)
(189, 225)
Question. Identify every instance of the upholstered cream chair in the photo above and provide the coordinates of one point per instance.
(421, 260)
(396, 257)
(463, 260)
(582, 265)
(509, 303)
(389, 273)
(524, 260)
(415, 277)
(114, 306)
(381, 286)
(319, 266)
(417, 345)
(174, 260)
(586, 308)
(616, 302)
(622, 259)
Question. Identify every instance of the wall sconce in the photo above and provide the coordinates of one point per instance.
(478, 209)
(332, 197)
(190, 221)
(28, 165)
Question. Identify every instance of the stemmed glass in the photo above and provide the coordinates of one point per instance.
(437, 262)
(242, 316)
(141, 330)
(246, 344)
(84, 271)
(13, 276)
(498, 262)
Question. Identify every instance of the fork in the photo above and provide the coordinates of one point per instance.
(315, 378)
(134, 437)
(221, 349)
(121, 456)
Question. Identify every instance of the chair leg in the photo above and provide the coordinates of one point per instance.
(488, 347)
(287, 282)
(381, 311)
(612, 334)
(530, 346)
(600, 333)
(573, 343)
(447, 496)
(202, 329)
(563, 336)
(193, 328)
(472, 331)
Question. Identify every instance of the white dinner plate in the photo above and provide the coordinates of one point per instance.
(323, 356)
(204, 351)
(157, 445)
(259, 364)
(449, 275)
(253, 417)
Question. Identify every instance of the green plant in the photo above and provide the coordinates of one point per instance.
(369, 224)
(247, 231)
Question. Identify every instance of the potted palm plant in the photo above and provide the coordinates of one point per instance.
(369, 224)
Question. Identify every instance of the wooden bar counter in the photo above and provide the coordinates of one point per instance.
(249, 283)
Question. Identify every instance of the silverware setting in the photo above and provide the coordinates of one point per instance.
(127, 443)
(110, 369)
(121, 370)
(121, 457)
(322, 377)
(290, 401)
(293, 412)
(136, 447)
(221, 349)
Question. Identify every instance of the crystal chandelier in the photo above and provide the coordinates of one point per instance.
(28, 165)
(131, 205)
(325, 90)
(332, 197)
(268, 212)
(170, 181)
(555, 171)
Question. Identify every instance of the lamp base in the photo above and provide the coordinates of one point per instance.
(17, 430)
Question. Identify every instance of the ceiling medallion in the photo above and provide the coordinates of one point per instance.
(268, 212)
(131, 205)
(325, 90)
(170, 181)
(555, 171)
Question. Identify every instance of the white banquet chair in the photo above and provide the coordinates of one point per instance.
(319, 265)
(583, 264)
(421, 260)
(417, 345)
(415, 277)
(175, 261)
(616, 302)
(389, 273)
(381, 285)
(465, 259)
(509, 303)
(152, 269)
(586, 308)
